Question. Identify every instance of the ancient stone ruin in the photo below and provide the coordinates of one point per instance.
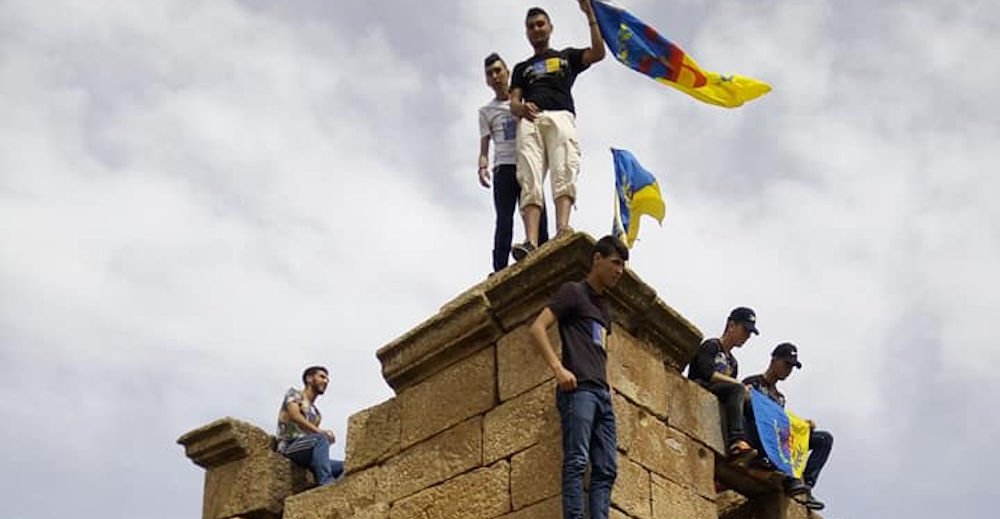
(473, 431)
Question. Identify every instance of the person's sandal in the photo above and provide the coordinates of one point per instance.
(740, 453)
(521, 250)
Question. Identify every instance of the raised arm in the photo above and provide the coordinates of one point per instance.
(596, 51)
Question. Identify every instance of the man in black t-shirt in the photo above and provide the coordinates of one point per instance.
(716, 369)
(541, 98)
(583, 395)
(785, 357)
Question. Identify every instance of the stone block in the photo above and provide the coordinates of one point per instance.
(663, 450)
(223, 441)
(695, 411)
(631, 490)
(433, 461)
(373, 435)
(671, 500)
(462, 327)
(551, 508)
(617, 514)
(353, 496)
(520, 423)
(464, 389)
(481, 494)
(254, 486)
(519, 365)
(638, 372)
(536, 473)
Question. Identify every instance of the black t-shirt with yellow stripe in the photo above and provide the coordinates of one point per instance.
(547, 78)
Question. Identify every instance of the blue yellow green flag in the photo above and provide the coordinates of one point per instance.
(637, 192)
(783, 435)
(641, 48)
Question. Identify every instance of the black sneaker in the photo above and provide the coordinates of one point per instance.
(812, 503)
(796, 487)
(521, 250)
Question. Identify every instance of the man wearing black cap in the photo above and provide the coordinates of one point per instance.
(715, 368)
(784, 358)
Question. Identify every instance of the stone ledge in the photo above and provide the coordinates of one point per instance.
(483, 314)
(222, 441)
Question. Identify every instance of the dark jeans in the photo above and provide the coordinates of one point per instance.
(588, 433)
(731, 396)
(506, 192)
(313, 451)
(820, 444)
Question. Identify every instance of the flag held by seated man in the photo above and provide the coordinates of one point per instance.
(638, 194)
(784, 436)
(641, 48)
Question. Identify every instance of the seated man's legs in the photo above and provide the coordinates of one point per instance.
(313, 451)
(820, 444)
(731, 395)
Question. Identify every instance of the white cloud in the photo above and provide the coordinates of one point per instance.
(197, 200)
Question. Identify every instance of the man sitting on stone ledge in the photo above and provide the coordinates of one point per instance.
(299, 436)
(583, 395)
(785, 357)
(715, 368)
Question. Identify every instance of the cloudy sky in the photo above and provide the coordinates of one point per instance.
(197, 199)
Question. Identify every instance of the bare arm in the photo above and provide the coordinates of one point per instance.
(484, 161)
(295, 416)
(564, 378)
(596, 51)
(520, 108)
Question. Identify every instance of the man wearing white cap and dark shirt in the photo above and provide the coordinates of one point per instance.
(715, 368)
(784, 358)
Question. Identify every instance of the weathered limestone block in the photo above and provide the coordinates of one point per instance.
(519, 365)
(536, 473)
(519, 292)
(771, 505)
(224, 440)
(463, 326)
(345, 498)
(433, 461)
(695, 411)
(464, 389)
(663, 450)
(551, 508)
(373, 435)
(638, 372)
(671, 501)
(617, 514)
(481, 494)
(631, 490)
(520, 423)
(244, 476)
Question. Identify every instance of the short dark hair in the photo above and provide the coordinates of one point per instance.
(609, 245)
(312, 370)
(493, 57)
(535, 11)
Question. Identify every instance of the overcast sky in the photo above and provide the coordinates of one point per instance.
(198, 199)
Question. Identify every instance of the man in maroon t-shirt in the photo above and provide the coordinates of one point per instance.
(583, 395)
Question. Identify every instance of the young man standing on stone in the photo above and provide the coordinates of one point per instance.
(583, 395)
(715, 368)
(497, 124)
(546, 132)
(299, 436)
(785, 357)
